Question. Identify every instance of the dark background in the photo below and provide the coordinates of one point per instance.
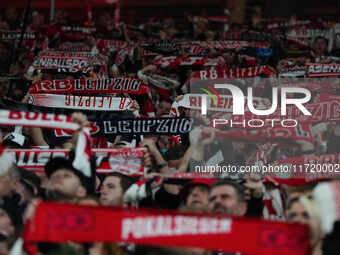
(134, 11)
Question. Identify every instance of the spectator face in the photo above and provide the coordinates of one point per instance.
(297, 213)
(67, 183)
(60, 16)
(337, 41)
(25, 195)
(6, 223)
(164, 142)
(37, 19)
(163, 108)
(43, 180)
(320, 46)
(111, 192)
(238, 147)
(175, 163)
(3, 88)
(3, 51)
(5, 185)
(224, 199)
(11, 13)
(198, 197)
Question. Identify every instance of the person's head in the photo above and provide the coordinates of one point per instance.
(113, 189)
(196, 193)
(164, 143)
(4, 84)
(174, 156)
(337, 41)
(227, 197)
(64, 179)
(10, 220)
(11, 13)
(296, 212)
(8, 174)
(163, 107)
(27, 186)
(303, 210)
(320, 46)
(296, 192)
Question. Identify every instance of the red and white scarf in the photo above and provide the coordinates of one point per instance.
(309, 169)
(72, 46)
(315, 69)
(265, 134)
(322, 111)
(52, 62)
(233, 73)
(174, 61)
(223, 45)
(125, 160)
(224, 103)
(36, 119)
(56, 222)
(105, 103)
(82, 86)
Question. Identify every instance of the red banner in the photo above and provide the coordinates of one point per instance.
(125, 160)
(315, 70)
(82, 86)
(55, 222)
(36, 119)
(307, 169)
(233, 73)
(265, 134)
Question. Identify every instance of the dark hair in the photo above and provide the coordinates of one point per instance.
(175, 152)
(290, 202)
(30, 180)
(237, 187)
(167, 100)
(322, 38)
(125, 181)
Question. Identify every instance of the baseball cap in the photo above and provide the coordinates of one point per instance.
(59, 162)
(196, 182)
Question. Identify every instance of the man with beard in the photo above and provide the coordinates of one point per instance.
(227, 197)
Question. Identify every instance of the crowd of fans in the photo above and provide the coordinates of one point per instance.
(140, 51)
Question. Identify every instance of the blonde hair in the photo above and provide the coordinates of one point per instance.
(6, 163)
(310, 207)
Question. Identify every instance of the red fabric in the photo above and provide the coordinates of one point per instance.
(87, 86)
(148, 106)
(35, 119)
(265, 134)
(35, 160)
(164, 93)
(268, 203)
(322, 111)
(233, 73)
(308, 169)
(194, 182)
(55, 222)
